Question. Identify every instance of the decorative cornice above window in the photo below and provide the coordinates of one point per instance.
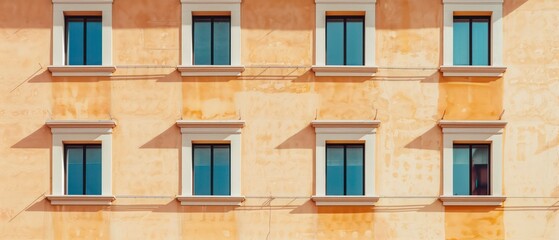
(345, 123)
(472, 124)
(81, 123)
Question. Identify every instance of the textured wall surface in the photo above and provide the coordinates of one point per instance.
(146, 95)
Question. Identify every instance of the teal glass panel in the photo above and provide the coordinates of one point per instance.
(94, 47)
(221, 170)
(202, 169)
(222, 34)
(480, 42)
(461, 170)
(354, 41)
(480, 170)
(93, 170)
(74, 170)
(335, 41)
(354, 170)
(334, 170)
(202, 41)
(75, 42)
(461, 32)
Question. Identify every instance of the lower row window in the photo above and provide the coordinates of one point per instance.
(83, 169)
(212, 169)
(345, 169)
(471, 169)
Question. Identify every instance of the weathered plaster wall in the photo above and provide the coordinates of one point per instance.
(146, 96)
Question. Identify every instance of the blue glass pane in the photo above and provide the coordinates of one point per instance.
(93, 170)
(74, 42)
(334, 41)
(94, 47)
(221, 169)
(354, 170)
(74, 171)
(480, 42)
(202, 41)
(222, 28)
(354, 41)
(334, 170)
(480, 170)
(461, 31)
(202, 168)
(461, 170)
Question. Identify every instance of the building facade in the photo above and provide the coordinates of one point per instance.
(279, 119)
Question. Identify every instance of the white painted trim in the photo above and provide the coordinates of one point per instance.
(211, 200)
(87, 200)
(61, 6)
(232, 6)
(81, 71)
(79, 131)
(210, 70)
(340, 71)
(333, 130)
(208, 131)
(322, 6)
(493, 6)
(345, 200)
(465, 131)
(472, 71)
(472, 200)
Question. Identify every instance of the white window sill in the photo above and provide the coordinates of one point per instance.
(210, 70)
(81, 200)
(344, 71)
(211, 200)
(472, 71)
(345, 200)
(81, 71)
(472, 200)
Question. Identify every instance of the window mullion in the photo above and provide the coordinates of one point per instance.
(212, 45)
(345, 169)
(85, 41)
(84, 168)
(212, 170)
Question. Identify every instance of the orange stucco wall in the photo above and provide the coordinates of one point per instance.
(146, 95)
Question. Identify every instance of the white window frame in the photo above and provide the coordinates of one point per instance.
(59, 67)
(324, 6)
(488, 132)
(188, 68)
(345, 131)
(495, 7)
(81, 132)
(208, 132)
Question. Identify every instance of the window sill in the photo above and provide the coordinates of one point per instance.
(210, 70)
(472, 71)
(472, 200)
(81, 71)
(344, 200)
(344, 71)
(211, 200)
(81, 200)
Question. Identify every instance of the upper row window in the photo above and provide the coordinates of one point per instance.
(83, 45)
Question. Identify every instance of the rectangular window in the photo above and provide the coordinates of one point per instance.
(345, 40)
(345, 169)
(83, 169)
(212, 40)
(83, 40)
(471, 170)
(212, 169)
(471, 40)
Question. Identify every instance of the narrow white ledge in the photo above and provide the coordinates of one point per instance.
(82, 1)
(472, 71)
(81, 71)
(210, 70)
(345, 123)
(211, 200)
(344, 71)
(210, 1)
(81, 200)
(345, 1)
(210, 123)
(472, 124)
(472, 200)
(473, 1)
(81, 123)
(345, 200)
